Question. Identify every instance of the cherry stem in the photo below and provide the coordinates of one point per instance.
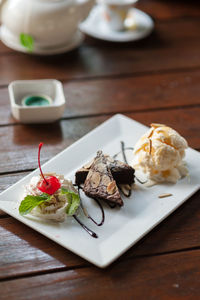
(39, 150)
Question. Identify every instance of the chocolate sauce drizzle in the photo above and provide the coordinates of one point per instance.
(123, 152)
(123, 149)
(111, 205)
(92, 233)
(86, 212)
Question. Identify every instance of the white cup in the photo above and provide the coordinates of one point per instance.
(115, 12)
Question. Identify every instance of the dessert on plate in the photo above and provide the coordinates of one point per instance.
(53, 206)
(159, 154)
(49, 196)
(102, 176)
(100, 183)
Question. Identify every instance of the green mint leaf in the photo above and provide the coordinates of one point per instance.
(73, 201)
(27, 41)
(31, 202)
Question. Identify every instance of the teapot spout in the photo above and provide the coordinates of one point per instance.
(85, 6)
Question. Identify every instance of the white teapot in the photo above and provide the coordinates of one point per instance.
(46, 23)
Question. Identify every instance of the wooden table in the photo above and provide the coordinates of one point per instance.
(156, 79)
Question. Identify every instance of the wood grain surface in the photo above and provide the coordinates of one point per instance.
(152, 80)
(137, 93)
(156, 277)
(20, 152)
(167, 50)
(43, 255)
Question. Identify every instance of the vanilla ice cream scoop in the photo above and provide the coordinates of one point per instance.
(159, 153)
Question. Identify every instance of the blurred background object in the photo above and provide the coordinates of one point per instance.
(117, 21)
(43, 26)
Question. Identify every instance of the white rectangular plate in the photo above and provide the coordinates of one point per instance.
(124, 226)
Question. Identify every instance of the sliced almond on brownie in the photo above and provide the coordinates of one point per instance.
(100, 183)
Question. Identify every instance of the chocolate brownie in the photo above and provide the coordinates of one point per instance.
(99, 183)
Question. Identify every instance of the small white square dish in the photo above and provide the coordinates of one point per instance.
(124, 226)
(51, 88)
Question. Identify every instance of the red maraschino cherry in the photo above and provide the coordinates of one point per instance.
(49, 184)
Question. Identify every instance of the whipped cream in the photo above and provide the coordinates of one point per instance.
(55, 209)
(159, 154)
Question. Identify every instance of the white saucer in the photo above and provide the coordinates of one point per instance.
(8, 40)
(96, 27)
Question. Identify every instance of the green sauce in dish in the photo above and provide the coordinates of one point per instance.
(36, 101)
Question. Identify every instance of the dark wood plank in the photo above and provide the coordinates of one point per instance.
(23, 141)
(168, 9)
(8, 180)
(132, 93)
(160, 277)
(101, 96)
(164, 50)
(19, 153)
(179, 231)
(24, 251)
(185, 121)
